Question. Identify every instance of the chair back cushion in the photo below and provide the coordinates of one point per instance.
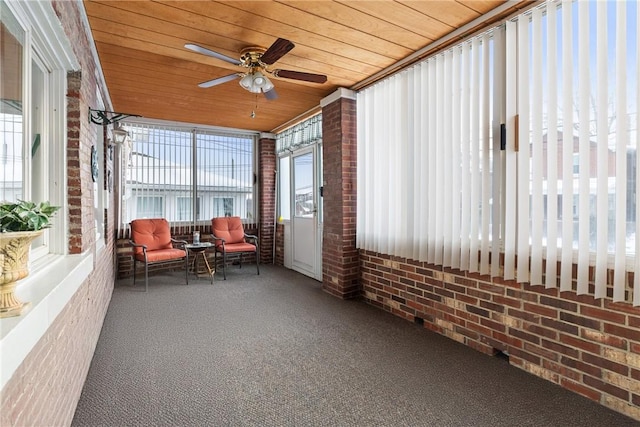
(154, 233)
(229, 228)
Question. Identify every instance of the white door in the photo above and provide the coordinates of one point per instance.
(304, 218)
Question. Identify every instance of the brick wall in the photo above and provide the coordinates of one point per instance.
(267, 197)
(339, 254)
(589, 346)
(279, 244)
(46, 387)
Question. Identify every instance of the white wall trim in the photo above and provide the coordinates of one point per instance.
(340, 93)
(49, 290)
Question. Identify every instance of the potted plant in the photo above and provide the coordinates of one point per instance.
(20, 223)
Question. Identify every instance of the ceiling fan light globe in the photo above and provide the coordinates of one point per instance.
(267, 86)
(247, 82)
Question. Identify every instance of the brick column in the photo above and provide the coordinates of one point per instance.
(339, 253)
(267, 195)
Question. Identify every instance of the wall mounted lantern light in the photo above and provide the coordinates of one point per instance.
(119, 134)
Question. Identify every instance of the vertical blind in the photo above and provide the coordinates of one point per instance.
(434, 185)
(577, 162)
(428, 185)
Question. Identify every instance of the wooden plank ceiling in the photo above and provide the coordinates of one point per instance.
(149, 72)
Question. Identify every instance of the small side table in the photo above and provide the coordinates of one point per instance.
(199, 250)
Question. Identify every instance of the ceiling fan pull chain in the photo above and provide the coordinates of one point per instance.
(253, 113)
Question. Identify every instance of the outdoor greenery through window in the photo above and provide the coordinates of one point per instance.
(187, 175)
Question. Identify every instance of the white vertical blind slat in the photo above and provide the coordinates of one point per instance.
(465, 104)
(440, 184)
(552, 150)
(584, 148)
(414, 130)
(475, 157)
(620, 276)
(511, 156)
(602, 126)
(433, 158)
(425, 161)
(536, 150)
(455, 168)
(486, 150)
(567, 150)
(523, 154)
(447, 158)
(498, 118)
(402, 145)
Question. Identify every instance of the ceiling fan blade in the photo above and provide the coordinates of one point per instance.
(276, 51)
(298, 75)
(208, 52)
(271, 94)
(219, 80)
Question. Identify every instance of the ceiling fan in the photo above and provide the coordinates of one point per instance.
(257, 60)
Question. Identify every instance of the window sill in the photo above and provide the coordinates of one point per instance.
(49, 288)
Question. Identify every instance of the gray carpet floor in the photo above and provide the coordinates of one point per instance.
(276, 350)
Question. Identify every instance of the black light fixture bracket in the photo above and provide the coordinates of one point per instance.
(101, 117)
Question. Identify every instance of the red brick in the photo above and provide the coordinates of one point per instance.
(632, 334)
(587, 392)
(605, 363)
(607, 388)
(581, 344)
(607, 315)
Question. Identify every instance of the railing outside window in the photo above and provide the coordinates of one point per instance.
(187, 175)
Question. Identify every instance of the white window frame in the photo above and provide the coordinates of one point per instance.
(53, 279)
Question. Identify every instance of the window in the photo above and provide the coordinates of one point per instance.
(12, 158)
(284, 187)
(149, 207)
(185, 208)
(222, 206)
(578, 69)
(427, 143)
(563, 79)
(32, 115)
(167, 166)
(304, 134)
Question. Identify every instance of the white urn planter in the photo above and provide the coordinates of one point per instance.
(14, 266)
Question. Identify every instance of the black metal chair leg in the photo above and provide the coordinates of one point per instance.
(146, 276)
(257, 262)
(186, 266)
(224, 265)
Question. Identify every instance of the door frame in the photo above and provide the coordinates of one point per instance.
(289, 230)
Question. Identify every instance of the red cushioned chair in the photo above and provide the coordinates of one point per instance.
(152, 244)
(229, 238)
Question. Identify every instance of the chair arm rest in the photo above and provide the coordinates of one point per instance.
(251, 236)
(182, 242)
(216, 238)
(139, 245)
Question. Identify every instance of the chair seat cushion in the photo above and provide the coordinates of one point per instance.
(162, 255)
(237, 247)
